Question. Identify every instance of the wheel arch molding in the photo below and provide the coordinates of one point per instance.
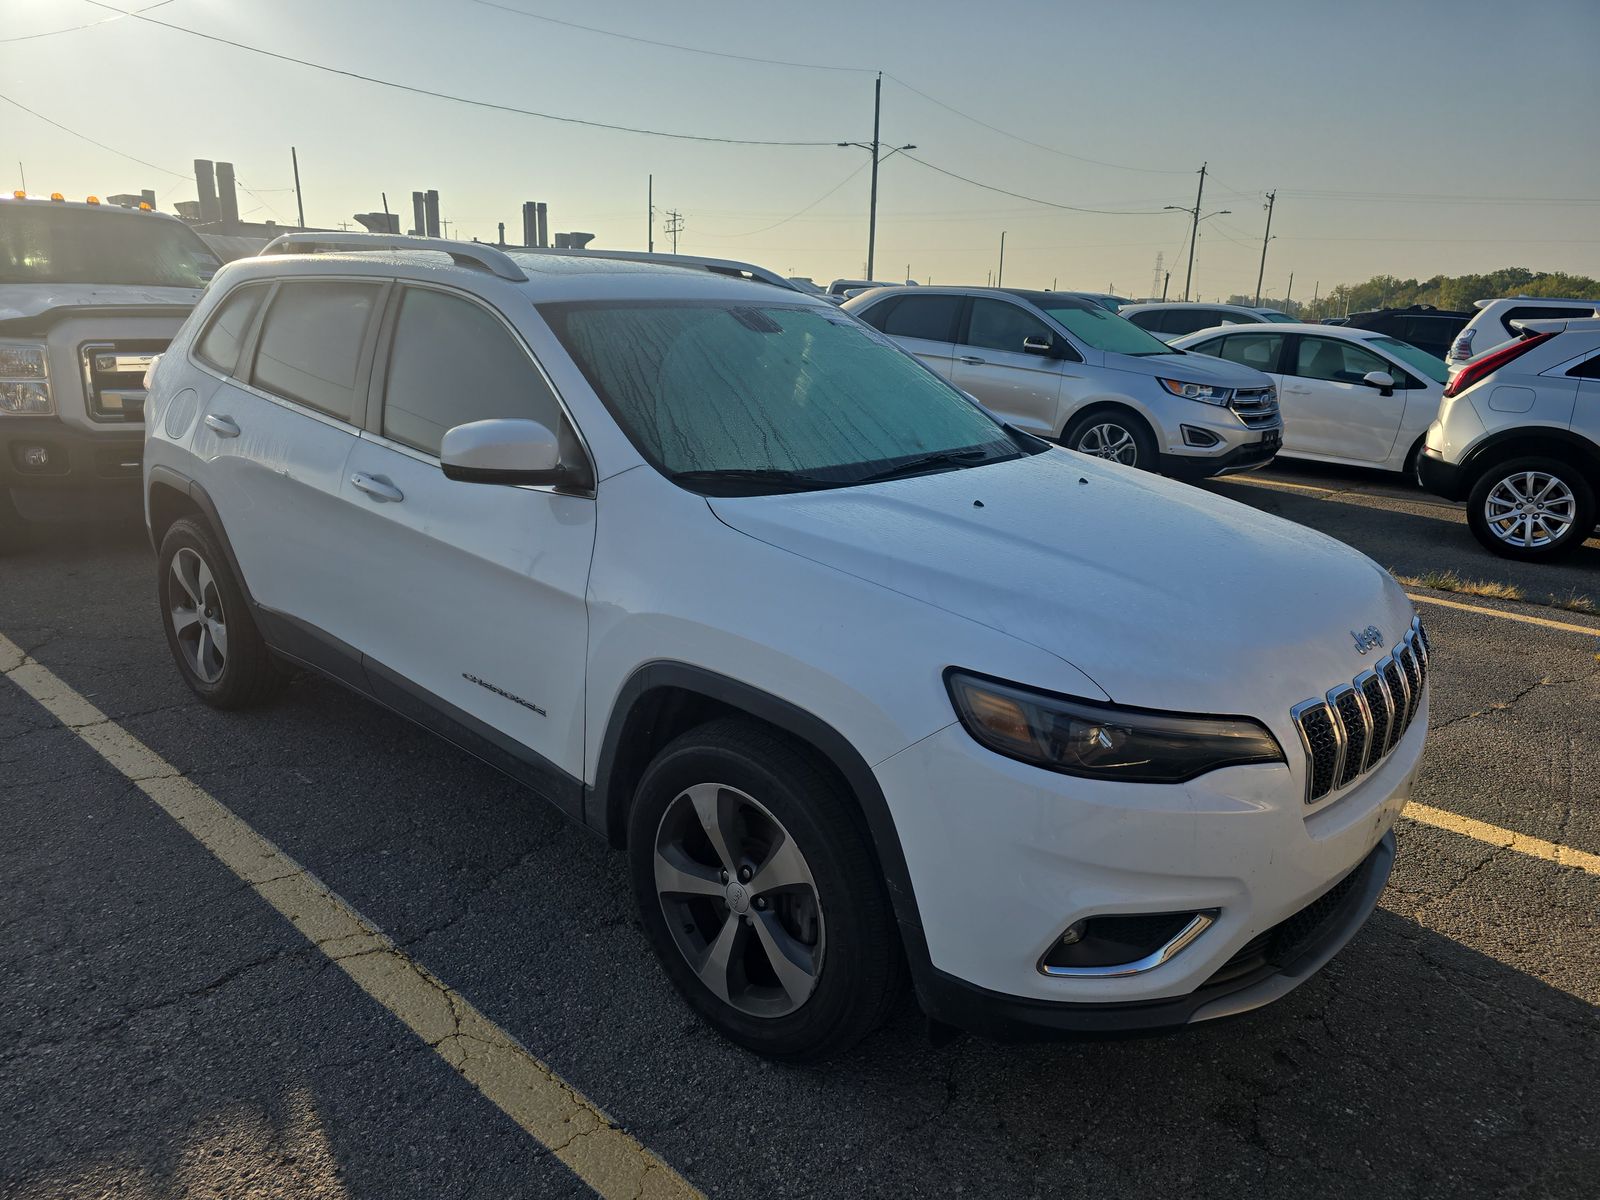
(664, 699)
(171, 495)
(1530, 441)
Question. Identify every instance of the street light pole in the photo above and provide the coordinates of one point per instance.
(872, 214)
(1194, 232)
(1001, 273)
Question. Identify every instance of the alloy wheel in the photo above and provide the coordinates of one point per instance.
(1111, 441)
(194, 606)
(739, 899)
(1530, 509)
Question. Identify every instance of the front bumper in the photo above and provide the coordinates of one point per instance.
(1248, 456)
(1440, 477)
(87, 474)
(1003, 857)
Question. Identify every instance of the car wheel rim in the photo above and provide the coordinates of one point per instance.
(1109, 441)
(194, 607)
(740, 900)
(1530, 510)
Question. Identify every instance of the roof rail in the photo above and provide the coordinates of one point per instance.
(718, 266)
(465, 254)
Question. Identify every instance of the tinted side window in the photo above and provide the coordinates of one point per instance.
(454, 362)
(1191, 320)
(1335, 361)
(932, 318)
(1258, 350)
(997, 325)
(1588, 369)
(1529, 312)
(310, 345)
(1150, 322)
(223, 338)
(878, 313)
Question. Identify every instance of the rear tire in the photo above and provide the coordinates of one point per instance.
(797, 968)
(1532, 509)
(1113, 434)
(214, 640)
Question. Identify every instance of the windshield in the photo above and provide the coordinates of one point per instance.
(795, 393)
(51, 244)
(1419, 361)
(1103, 330)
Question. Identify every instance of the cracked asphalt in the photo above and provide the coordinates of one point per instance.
(165, 1032)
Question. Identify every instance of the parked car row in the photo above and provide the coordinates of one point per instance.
(862, 681)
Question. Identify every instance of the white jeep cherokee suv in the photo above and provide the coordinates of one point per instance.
(859, 678)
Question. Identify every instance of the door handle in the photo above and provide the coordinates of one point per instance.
(973, 359)
(377, 487)
(222, 426)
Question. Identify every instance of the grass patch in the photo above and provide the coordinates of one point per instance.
(1450, 581)
(1575, 601)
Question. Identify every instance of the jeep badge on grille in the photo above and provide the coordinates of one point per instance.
(1367, 638)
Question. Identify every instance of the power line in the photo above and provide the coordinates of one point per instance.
(28, 37)
(1110, 212)
(628, 37)
(86, 138)
(420, 91)
(802, 212)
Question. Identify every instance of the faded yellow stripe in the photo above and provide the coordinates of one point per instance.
(556, 1114)
(1564, 626)
(1493, 835)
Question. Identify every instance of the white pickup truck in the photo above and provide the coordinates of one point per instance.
(89, 295)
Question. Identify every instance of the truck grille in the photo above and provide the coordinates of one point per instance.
(1355, 726)
(113, 378)
(1256, 407)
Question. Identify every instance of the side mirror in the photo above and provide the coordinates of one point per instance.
(509, 450)
(1040, 346)
(1381, 380)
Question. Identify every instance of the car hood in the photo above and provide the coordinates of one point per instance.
(19, 301)
(1191, 368)
(1165, 595)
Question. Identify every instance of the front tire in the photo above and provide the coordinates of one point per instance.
(219, 651)
(1114, 435)
(760, 895)
(1533, 509)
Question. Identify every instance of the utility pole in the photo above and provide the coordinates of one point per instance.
(1316, 291)
(872, 214)
(300, 204)
(1289, 292)
(1002, 272)
(1272, 198)
(650, 213)
(1194, 231)
(22, 173)
(1166, 282)
(386, 219)
(674, 226)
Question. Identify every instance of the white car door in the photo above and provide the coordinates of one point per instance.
(1328, 412)
(474, 603)
(278, 432)
(922, 324)
(991, 365)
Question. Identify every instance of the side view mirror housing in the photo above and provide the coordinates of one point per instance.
(510, 450)
(1381, 380)
(1044, 347)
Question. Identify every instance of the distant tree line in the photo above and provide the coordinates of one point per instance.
(1442, 291)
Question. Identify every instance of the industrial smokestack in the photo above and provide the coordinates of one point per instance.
(544, 225)
(432, 207)
(419, 214)
(530, 224)
(227, 198)
(205, 179)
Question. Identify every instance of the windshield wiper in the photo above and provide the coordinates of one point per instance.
(945, 458)
(754, 477)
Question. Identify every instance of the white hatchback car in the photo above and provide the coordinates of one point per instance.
(1351, 396)
(859, 678)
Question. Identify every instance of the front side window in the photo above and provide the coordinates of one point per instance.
(1258, 350)
(311, 341)
(931, 318)
(220, 344)
(1335, 361)
(1102, 329)
(454, 362)
(767, 396)
(996, 325)
(50, 243)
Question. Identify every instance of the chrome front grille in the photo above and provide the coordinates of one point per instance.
(1255, 406)
(113, 378)
(1355, 726)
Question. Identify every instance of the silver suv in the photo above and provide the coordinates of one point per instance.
(1518, 438)
(1064, 368)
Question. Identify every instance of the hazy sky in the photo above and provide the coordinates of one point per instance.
(1408, 136)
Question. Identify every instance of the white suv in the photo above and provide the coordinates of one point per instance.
(1494, 324)
(1518, 438)
(860, 679)
(1062, 367)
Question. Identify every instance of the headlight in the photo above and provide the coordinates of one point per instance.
(1102, 741)
(24, 380)
(1206, 393)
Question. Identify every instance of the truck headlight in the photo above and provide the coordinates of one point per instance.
(1206, 393)
(1103, 741)
(24, 380)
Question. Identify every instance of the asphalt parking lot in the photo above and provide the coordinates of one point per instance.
(166, 1031)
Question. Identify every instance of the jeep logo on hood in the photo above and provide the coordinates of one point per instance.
(1367, 638)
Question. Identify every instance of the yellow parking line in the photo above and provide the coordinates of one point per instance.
(553, 1112)
(1493, 835)
(1278, 483)
(1564, 626)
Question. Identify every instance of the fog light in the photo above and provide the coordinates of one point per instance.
(1199, 438)
(1073, 933)
(1111, 945)
(35, 458)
